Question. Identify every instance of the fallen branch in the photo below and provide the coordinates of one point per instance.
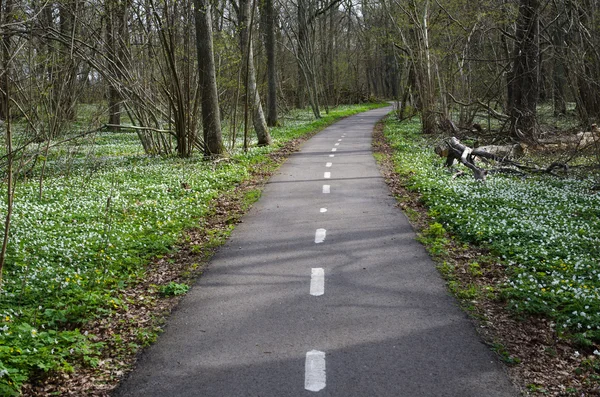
(454, 150)
(458, 151)
(135, 127)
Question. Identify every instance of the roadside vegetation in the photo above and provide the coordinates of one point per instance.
(528, 247)
(106, 212)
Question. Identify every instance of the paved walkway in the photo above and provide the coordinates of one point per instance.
(324, 291)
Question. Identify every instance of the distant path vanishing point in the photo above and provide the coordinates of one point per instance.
(323, 290)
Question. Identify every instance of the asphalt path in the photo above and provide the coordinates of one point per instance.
(322, 290)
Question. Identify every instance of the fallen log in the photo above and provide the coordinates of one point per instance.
(464, 154)
(580, 141)
(504, 151)
(454, 151)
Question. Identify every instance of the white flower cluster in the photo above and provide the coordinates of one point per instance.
(546, 229)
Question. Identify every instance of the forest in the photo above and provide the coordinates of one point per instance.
(131, 130)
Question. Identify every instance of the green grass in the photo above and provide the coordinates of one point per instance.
(546, 230)
(106, 211)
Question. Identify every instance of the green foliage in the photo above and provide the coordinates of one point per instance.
(434, 238)
(504, 354)
(545, 229)
(27, 351)
(475, 269)
(174, 289)
(106, 210)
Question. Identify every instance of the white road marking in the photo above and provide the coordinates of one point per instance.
(323, 210)
(327, 175)
(320, 235)
(334, 150)
(317, 281)
(328, 165)
(339, 140)
(314, 371)
(332, 155)
(326, 189)
(337, 144)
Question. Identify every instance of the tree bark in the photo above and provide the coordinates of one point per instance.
(270, 18)
(302, 37)
(6, 8)
(559, 75)
(211, 120)
(64, 89)
(6, 15)
(329, 67)
(525, 81)
(259, 122)
(114, 21)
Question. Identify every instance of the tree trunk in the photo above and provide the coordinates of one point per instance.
(269, 18)
(259, 122)
(525, 81)
(6, 16)
(112, 43)
(211, 120)
(330, 73)
(302, 37)
(559, 75)
(64, 90)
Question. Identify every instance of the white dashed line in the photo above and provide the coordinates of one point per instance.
(323, 210)
(339, 140)
(314, 373)
(317, 281)
(328, 165)
(326, 189)
(332, 155)
(327, 175)
(337, 144)
(320, 235)
(334, 149)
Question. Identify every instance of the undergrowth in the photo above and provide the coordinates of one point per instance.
(546, 230)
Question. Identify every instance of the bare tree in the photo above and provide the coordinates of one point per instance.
(245, 11)
(6, 17)
(211, 120)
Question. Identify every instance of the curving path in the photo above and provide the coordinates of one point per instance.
(322, 291)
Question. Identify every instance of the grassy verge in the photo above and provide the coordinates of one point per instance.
(530, 246)
(106, 239)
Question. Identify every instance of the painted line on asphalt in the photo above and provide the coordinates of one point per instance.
(328, 165)
(327, 175)
(339, 140)
(322, 210)
(317, 281)
(320, 235)
(332, 155)
(314, 371)
(326, 189)
(337, 144)
(334, 150)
